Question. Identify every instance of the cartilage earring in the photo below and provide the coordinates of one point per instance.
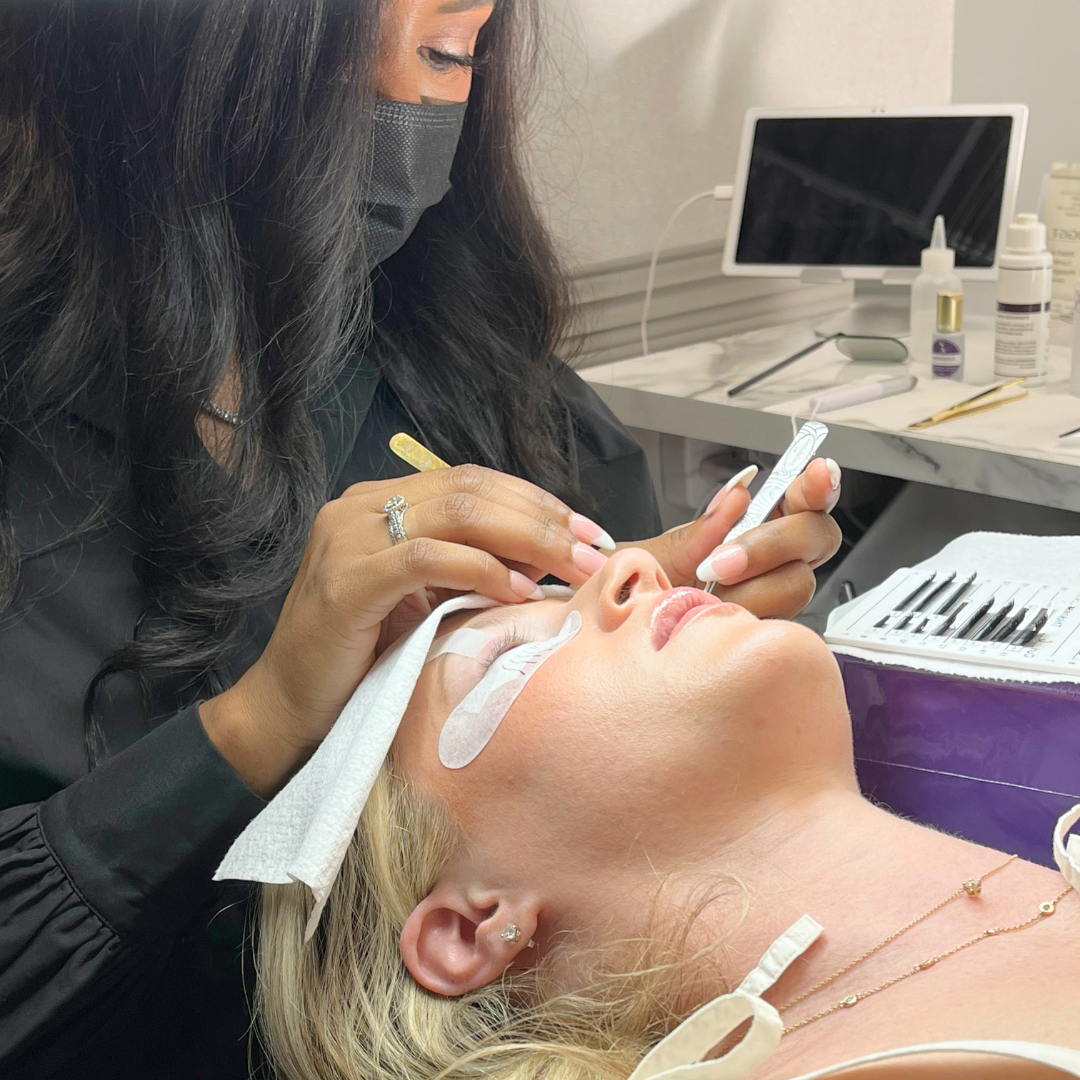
(511, 933)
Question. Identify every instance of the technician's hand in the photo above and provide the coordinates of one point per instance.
(469, 530)
(769, 570)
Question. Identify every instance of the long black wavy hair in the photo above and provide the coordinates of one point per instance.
(181, 188)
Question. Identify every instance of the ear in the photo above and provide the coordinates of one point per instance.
(453, 941)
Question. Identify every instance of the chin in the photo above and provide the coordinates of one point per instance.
(764, 660)
(796, 670)
(788, 646)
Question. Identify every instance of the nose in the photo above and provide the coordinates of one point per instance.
(629, 578)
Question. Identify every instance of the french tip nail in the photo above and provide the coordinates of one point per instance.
(588, 532)
(525, 587)
(727, 564)
(834, 472)
(587, 559)
(742, 479)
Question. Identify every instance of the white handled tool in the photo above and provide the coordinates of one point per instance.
(847, 396)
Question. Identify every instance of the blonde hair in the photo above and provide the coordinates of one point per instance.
(344, 1007)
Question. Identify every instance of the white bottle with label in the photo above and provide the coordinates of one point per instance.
(1025, 285)
(937, 276)
(1074, 374)
(1062, 217)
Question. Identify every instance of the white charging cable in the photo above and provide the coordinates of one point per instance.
(721, 192)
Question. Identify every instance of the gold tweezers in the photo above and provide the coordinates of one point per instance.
(967, 407)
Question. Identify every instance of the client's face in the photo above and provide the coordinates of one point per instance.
(647, 741)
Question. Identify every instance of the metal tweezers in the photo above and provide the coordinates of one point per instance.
(967, 407)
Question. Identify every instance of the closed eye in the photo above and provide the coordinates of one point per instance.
(509, 639)
(444, 62)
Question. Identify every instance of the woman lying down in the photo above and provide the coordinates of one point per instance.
(607, 813)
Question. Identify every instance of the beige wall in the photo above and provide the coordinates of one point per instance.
(652, 94)
(1010, 51)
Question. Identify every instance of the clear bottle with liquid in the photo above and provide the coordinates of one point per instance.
(937, 276)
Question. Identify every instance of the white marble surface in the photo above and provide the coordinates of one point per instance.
(1012, 452)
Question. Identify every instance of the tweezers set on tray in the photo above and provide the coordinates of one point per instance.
(970, 617)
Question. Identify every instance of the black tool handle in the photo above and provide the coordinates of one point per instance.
(754, 380)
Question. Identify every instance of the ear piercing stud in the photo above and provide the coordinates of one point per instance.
(512, 933)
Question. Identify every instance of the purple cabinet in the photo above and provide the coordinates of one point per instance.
(996, 763)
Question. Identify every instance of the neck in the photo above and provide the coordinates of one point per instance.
(859, 871)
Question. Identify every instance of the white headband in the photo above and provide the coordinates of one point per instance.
(305, 830)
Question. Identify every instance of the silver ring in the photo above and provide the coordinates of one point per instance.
(214, 409)
(395, 518)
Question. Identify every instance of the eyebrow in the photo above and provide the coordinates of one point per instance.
(453, 7)
(503, 614)
(492, 618)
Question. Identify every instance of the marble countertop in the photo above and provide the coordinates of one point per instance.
(1012, 452)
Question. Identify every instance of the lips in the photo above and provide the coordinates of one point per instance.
(675, 608)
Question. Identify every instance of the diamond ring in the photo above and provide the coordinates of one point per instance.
(395, 518)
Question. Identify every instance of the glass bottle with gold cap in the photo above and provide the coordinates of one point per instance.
(947, 352)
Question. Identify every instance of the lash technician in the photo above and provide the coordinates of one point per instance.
(243, 243)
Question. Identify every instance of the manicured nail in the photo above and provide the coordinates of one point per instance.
(834, 472)
(740, 479)
(588, 560)
(726, 564)
(525, 587)
(588, 532)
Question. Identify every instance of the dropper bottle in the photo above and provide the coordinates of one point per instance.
(937, 276)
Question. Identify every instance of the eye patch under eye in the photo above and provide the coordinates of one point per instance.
(469, 728)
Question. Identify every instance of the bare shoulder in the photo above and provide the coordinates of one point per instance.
(1045, 983)
(1020, 987)
(955, 1066)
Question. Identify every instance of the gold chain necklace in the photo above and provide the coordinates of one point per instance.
(972, 888)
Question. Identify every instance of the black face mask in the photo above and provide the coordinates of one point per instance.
(413, 148)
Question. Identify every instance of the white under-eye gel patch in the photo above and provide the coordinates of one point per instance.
(464, 642)
(469, 728)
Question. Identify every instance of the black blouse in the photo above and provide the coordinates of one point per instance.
(119, 956)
